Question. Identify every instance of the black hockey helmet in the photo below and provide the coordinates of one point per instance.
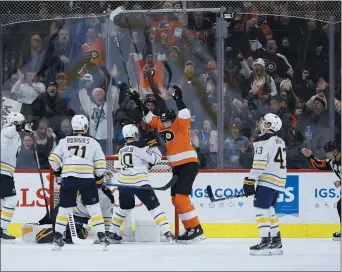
(168, 115)
(332, 146)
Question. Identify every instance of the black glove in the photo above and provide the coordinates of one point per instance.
(99, 181)
(58, 172)
(150, 137)
(178, 93)
(108, 193)
(122, 86)
(248, 186)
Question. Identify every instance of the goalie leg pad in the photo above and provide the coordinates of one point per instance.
(7, 210)
(186, 211)
(44, 236)
(41, 234)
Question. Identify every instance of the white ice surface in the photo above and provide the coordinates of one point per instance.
(208, 255)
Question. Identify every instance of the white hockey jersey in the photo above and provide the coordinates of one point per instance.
(134, 164)
(79, 156)
(93, 112)
(10, 143)
(106, 208)
(269, 164)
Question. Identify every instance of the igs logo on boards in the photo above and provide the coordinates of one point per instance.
(288, 201)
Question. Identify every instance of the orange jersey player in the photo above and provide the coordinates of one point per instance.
(182, 157)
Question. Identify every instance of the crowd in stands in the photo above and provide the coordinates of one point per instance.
(272, 64)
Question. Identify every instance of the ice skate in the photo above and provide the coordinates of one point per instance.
(192, 235)
(276, 245)
(114, 238)
(170, 237)
(261, 249)
(6, 238)
(58, 241)
(337, 236)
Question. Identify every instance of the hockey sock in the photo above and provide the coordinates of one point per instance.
(118, 219)
(161, 219)
(7, 211)
(62, 219)
(107, 222)
(186, 211)
(263, 222)
(96, 217)
(274, 222)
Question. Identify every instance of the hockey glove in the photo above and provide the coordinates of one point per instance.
(178, 93)
(99, 181)
(248, 186)
(151, 140)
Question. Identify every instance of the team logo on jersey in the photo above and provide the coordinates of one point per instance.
(96, 113)
(167, 135)
(270, 66)
(288, 201)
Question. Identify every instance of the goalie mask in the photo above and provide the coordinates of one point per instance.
(167, 117)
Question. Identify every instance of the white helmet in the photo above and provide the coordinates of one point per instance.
(79, 123)
(14, 118)
(274, 120)
(130, 131)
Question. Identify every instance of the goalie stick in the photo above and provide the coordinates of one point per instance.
(162, 188)
(75, 239)
(213, 199)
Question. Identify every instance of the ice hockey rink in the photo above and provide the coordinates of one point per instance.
(208, 255)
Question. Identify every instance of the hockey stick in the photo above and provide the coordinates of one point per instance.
(47, 218)
(162, 188)
(75, 239)
(105, 71)
(213, 199)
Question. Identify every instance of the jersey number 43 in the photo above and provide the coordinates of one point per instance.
(279, 157)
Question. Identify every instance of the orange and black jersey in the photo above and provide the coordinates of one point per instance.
(326, 165)
(177, 139)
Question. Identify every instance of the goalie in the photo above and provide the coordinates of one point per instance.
(42, 234)
(135, 161)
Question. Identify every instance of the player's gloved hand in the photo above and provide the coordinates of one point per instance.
(108, 193)
(151, 140)
(99, 181)
(178, 93)
(248, 186)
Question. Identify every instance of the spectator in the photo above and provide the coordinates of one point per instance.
(51, 107)
(176, 66)
(207, 145)
(234, 143)
(46, 142)
(68, 93)
(94, 48)
(26, 90)
(31, 60)
(26, 157)
(276, 65)
(65, 129)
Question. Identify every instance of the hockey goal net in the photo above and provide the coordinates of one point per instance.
(159, 175)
